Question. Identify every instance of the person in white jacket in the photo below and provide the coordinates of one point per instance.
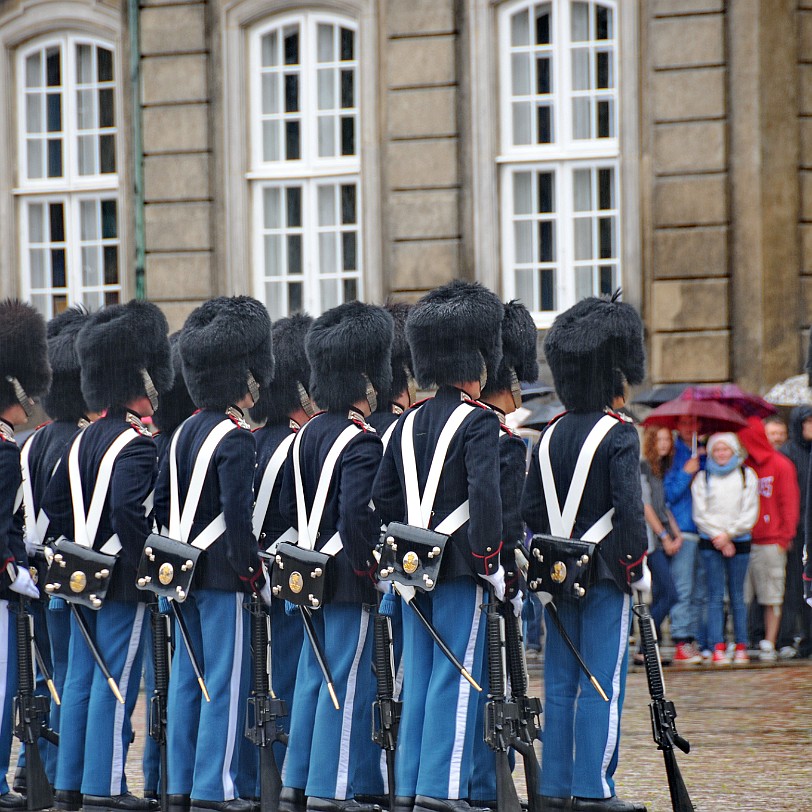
(725, 508)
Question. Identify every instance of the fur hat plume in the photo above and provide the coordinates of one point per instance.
(452, 331)
(344, 345)
(518, 349)
(23, 351)
(591, 348)
(64, 401)
(223, 341)
(115, 345)
(292, 368)
(175, 404)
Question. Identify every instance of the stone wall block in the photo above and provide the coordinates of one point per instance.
(177, 177)
(690, 201)
(804, 35)
(805, 142)
(701, 357)
(422, 112)
(421, 164)
(806, 194)
(178, 226)
(805, 89)
(419, 17)
(176, 128)
(806, 247)
(682, 305)
(681, 42)
(690, 147)
(427, 61)
(433, 214)
(179, 276)
(666, 7)
(424, 265)
(177, 312)
(173, 29)
(696, 252)
(806, 306)
(688, 94)
(170, 79)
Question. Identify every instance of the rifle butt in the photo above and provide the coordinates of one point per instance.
(39, 794)
(270, 781)
(532, 772)
(680, 799)
(507, 799)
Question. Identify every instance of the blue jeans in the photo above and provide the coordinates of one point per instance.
(716, 568)
(663, 589)
(683, 623)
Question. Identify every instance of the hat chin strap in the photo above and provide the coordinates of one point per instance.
(23, 398)
(515, 389)
(150, 390)
(411, 386)
(253, 386)
(305, 401)
(370, 394)
(483, 375)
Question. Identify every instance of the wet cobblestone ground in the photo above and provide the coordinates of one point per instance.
(750, 731)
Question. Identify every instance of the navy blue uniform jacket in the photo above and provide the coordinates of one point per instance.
(347, 508)
(382, 420)
(231, 564)
(268, 439)
(512, 456)
(124, 511)
(613, 481)
(12, 547)
(471, 471)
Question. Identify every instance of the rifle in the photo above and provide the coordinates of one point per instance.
(663, 713)
(385, 709)
(501, 716)
(264, 708)
(528, 708)
(158, 700)
(31, 716)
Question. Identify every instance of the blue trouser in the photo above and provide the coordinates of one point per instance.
(683, 566)
(95, 729)
(663, 589)
(57, 619)
(8, 686)
(719, 569)
(438, 726)
(204, 739)
(582, 731)
(328, 739)
(151, 759)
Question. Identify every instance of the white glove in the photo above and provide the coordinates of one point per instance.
(497, 581)
(643, 583)
(517, 601)
(24, 584)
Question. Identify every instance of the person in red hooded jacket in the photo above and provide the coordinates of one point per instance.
(779, 512)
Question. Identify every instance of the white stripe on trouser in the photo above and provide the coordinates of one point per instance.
(343, 772)
(4, 652)
(455, 772)
(611, 738)
(117, 766)
(229, 791)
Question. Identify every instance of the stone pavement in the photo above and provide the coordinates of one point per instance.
(750, 731)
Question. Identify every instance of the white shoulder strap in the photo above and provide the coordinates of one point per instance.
(308, 527)
(269, 477)
(562, 522)
(28, 494)
(418, 509)
(86, 526)
(387, 435)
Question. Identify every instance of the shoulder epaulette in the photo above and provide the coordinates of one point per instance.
(137, 425)
(237, 418)
(507, 430)
(43, 425)
(420, 402)
(623, 418)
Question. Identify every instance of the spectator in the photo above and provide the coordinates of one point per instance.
(796, 616)
(725, 505)
(774, 531)
(677, 485)
(776, 431)
(664, 534)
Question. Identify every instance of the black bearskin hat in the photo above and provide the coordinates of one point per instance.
(23, 351)
(518, 349)
(175, 404)
(115, 344)
(64, 401)
(222, 341)
(344, 344)
(292, 368)
(591, 348)
(452, 330)
(401, 362)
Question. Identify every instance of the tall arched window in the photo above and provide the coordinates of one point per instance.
(67, 190)
(305, 163)
(559, 152)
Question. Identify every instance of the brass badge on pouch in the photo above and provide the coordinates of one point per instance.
(295, 582)
(558, 572)
(410, 562)
(166, 573)
(34, 574)
(78, 581)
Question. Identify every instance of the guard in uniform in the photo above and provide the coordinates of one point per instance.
(503, 395)
(453, 333)
(124, 357)
(225, 346)
(593, 349)
(349, 352)
(285, 408)
(41, 453)
(24, 373)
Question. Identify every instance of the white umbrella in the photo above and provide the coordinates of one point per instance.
(793, 391)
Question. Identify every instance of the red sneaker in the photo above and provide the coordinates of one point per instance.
(720, 655)
(740, 655)
(686, 654)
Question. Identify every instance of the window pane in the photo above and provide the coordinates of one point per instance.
(84, 109)
(605, 127)
(87, 154)
(294, 254)
(606, 235)
(88, 221)
(292, 151)
(328, 249)
(110, 265)
(270, 140)
(327, 213)
(109, 220)
(583, 238)
(93, 300)
(521, 123)
(580, 22)
(520, 28)
(291, 92)
(348, 250)
(327, 136)
(543, 80)
(580, 118)
(583, 282)
(33, 70)
(606, 189)
(347, 135)
(57, 222)
(105, 65)
(548, 289)
(35, 230)
(347, 44)
(84, 64)
(53, 67)
(348, 214)
(347, 88)
(546, 191)
(295, 290)
(270, 95)
(34, 162)
(580, 69)
(54, 112)
(293, 195)
(582, 183)
(520, 73)
(58, 267)
(604, 28)
(546, 241)
(603, 69)
(292, 46)
(522, 193)
(325, 81)
(607, 277)
(274, 300)
(543, 24)
(545, 124)
(271, 199)
(33, 113)
(36, 258)
(273, 255)
(350, 289)
(91, 273)
(107, 148)
(270, 49)
(523, 234)
(325, 47)
(106, 111)
(329, 293)
(60, 303)
(525, 287)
